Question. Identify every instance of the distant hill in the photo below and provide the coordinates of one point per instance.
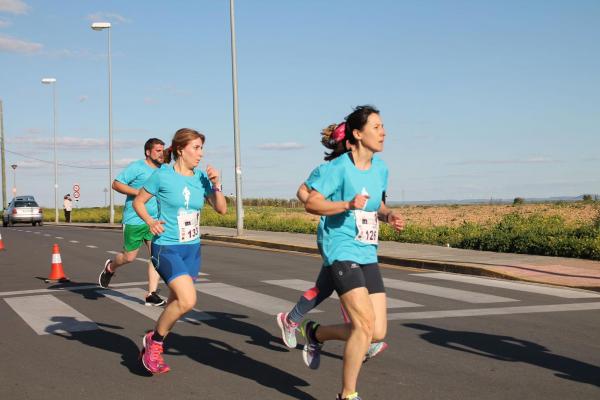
(492, 201)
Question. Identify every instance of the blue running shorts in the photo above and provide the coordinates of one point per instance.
(172, 261)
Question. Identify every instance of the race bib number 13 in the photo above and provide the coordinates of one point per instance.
(189, 227)
(367, 225)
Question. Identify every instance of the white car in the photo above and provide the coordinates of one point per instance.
(22, 209)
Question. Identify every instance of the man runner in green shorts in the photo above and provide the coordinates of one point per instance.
(135, 230)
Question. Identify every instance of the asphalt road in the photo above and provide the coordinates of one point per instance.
(449, 339)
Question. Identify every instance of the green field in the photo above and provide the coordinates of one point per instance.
(543, 232)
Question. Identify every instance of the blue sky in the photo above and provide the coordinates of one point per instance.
(480, 99)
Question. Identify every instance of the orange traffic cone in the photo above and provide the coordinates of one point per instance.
(56, 271)
(1, 243)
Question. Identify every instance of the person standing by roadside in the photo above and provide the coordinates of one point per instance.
(67, 207)
(181, 190)
(135, 230)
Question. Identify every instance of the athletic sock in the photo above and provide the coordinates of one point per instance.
(157, 337)
(313, 333)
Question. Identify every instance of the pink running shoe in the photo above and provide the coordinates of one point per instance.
(151, 355)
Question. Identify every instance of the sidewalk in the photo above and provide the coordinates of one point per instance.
(572, 272)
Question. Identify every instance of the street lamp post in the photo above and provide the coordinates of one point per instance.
(52, 81)
(99, 26)
(236, 127)
(14, 167)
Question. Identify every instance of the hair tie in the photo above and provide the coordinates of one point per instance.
(339, 133)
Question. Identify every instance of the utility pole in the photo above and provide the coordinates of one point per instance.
(4, 200)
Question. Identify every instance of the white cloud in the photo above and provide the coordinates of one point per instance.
(71, 142)
(150, 100)
(4, 23)
(173, 90)
(31, 164)
(14, 6)
(101, 164)
(529, 160)
(101, 15)
(281, 146)
(14, 45)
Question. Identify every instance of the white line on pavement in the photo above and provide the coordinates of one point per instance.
(46, 314)
(447, 293)
(73, 241)
(302, 285)
(494, 311)
(521, 286)
(91, 246)
(267, 304)
(132, 298)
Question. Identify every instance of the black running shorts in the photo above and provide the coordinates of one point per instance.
(348, 275)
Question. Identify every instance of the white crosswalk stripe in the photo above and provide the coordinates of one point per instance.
(46, 314)
(447, 293)
(494, 311)
(247, 298)
(302, 285)
(519, 286)
(132, 298)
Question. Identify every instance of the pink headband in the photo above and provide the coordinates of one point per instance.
(339, 133)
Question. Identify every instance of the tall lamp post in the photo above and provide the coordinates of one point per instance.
(236, 127)
(52, 81)
(99, 26)
(14, 167)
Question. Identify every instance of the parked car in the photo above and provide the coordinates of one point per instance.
(22, 209)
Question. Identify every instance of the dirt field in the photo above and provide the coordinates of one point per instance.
(484, 214)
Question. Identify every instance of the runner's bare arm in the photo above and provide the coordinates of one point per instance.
(216, 199)
(123, 188)
(390, 216)
(139, 205)
(317, 204)
(302, 193)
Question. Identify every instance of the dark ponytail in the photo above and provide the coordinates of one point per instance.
(355, 120)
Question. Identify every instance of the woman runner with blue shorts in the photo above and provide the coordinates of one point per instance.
(351, 195)
(180, 190)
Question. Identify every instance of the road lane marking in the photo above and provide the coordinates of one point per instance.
(58, 237)
(302, 285)
(47, 234)
(258, 301)
(73, 241)
(46, 314)
(91, 246)
(494, 311)
(132, 299)
(77, 288)
(520, 286)
(447, 293)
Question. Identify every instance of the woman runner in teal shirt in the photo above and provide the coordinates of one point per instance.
(351, 196)
(180, 191)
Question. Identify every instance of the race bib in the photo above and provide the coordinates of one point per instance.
(367, 225)
(189, 226)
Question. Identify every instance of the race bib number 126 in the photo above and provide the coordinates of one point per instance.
(367, 225)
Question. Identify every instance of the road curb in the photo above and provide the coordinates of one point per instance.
(441, 266)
